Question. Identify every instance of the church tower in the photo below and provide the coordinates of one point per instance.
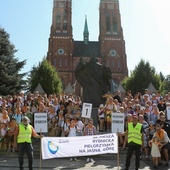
(64, 53)
(60, 47)
(112, 44)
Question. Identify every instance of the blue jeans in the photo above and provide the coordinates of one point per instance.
(28, 148)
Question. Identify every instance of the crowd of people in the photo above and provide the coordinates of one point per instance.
(64, 114)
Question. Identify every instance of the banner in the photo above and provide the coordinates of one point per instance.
(57, 147)
(168, 113)
(86, 111)
(118, 122)
(40, 122)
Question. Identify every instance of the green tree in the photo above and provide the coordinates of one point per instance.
(11, 81)
(165, 86)
(141, 77)
(162, 77)
(46, 75)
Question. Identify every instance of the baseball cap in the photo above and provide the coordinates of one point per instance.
(25, 118)
(101, 105)
(135, 116)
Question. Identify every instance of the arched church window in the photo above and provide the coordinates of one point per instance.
(65, 21)
(54, 62)
(119, 64)
(110, 6)
(58, 19)
(65, 62)
(113, 64)
(108, 23)
(60, 63)
(108, 63)
(114, 25)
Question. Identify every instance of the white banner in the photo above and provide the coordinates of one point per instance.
(168, 113)
(86, 111)
(40, 122)
(57, 147)
(118, 120)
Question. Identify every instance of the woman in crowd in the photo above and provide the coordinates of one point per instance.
(10, 135)
(89, 130)
(53, 129)
(109, 108)
(61, 121)
(72, 132)
(101, 117)
(154, 113)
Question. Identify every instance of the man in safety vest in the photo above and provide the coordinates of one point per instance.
(22, 141)
(134, 134)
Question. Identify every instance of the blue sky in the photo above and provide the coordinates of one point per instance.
(145, 23)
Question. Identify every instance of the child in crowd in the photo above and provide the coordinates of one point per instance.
(155, 150)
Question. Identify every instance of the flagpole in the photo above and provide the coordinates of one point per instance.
(40, 150)
(118, 160)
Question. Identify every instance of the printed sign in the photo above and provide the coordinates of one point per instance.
(87, 108)
(40, 122)
(118, 120)
(57, 147)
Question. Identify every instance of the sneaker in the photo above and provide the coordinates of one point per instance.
(13, 150)
(76, 159)
(159, 164)
(166, 164)
(9, 150)
(147, 158)
(88, 160)
(91, 160)
(155, 167)
(71, 159)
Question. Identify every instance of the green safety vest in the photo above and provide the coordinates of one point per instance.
(134, 133)
(24, 134)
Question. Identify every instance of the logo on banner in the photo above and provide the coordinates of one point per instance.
(53, 148)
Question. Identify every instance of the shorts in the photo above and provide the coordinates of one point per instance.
(10, 138)
(167, 146)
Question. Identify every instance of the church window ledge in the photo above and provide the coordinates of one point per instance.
(108, 32)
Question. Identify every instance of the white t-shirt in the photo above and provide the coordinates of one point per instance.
(72, 132)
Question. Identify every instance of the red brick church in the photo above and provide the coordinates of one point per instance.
(64, 52)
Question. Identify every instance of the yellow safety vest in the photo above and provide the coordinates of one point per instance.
(134, 133)
(24, 134)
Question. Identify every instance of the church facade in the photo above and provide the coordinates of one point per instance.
(64, 52)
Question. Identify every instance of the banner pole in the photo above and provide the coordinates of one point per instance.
(118, 160)
(40, 150)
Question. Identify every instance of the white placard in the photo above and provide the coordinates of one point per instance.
(86, 111)
(118, 120)
(168, 113)
(57, 147)
(40, 122)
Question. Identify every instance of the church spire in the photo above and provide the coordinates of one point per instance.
(86, 32)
